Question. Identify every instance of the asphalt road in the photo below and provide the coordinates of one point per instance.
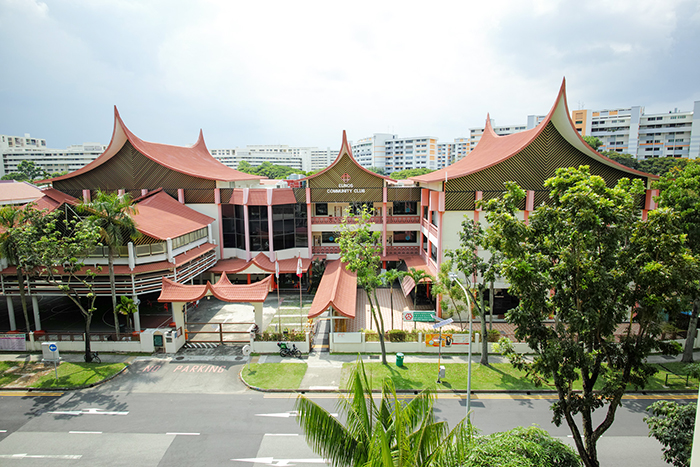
(197, 412)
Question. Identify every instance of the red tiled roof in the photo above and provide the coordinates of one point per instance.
(223, 290)
(418, 263)
(123, 269)
(493, 149)
(338, 288)
(193, 160)
(239, 265)
(53, 198)
(14, 192)
(345, 149)
(258, 196)
(160, 216)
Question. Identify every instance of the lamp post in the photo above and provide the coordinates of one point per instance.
(453, 277)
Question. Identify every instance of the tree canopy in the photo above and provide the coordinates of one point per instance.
(27, 171)
(269, 170)
(579, 265)
(652, 165)
(408, 173)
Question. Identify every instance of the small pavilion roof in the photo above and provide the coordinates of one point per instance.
(418, 263)
(160, 216)
(338, 288)
(493, 149)
(262, 262)
(223, 290)
(192, 160)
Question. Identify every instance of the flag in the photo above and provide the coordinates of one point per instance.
(277, 270)
(299, 272)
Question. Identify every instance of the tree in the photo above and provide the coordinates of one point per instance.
(417, 275)
(127, 307)
(467, 259)
(681, 191)
(389, 277)
(12, 220)
(586, 259)
(593, 142)
(56, 242)
(391, 433)
(360, 250)
(111, 213)
(673, 425)
(408, 173)
(31, 170)
(377, 170)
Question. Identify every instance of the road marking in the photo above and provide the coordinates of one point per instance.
(85, 432)
(86, 412)
(281, 434)
(30, 393)
(280, 462)
(3, 431)
(40, 456)
(292, 413)
(183, 434)
(452, 396)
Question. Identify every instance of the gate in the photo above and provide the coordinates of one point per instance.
(218, 333)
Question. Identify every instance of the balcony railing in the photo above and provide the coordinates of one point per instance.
(325, 250)
(403, 219)
(403, 250)
(374, 219)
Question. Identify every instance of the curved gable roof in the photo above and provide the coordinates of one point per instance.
(192, 160)
(493, 149)
(160, 216)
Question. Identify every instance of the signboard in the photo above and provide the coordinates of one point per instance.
(461, 339)
(13, 342)
(419, 316)
(52, 347)
(442, 323)
(433, 340)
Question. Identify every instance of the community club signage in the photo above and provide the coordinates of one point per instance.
(345, 187)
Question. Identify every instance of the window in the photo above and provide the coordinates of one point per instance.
(425, 212)
(405, 207)
(321, 209)
(329, 237)
(433, 252)
(408, 236)
(425, 244)
(434, 218)
(290, 226)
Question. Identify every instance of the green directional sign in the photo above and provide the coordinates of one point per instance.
(420, 316)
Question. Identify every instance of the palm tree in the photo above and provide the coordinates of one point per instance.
(112, 212)
(127, 306)
(390, 433)
(391, 276)
(417, 275)
(11, 218)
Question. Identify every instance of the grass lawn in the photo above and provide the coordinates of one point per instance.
(5, 377)
(274, 375)
(77, 374)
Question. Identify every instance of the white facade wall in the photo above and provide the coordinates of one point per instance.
(16, 149)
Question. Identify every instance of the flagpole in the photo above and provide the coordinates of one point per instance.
(279, 312)
(301, 308)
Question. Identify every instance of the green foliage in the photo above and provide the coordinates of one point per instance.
(586, 259)
(360, 251)
(111, 213)
(27, 171)
(652, 165)
(673, 425)
(269, 170)
(593, 142)
(396, 335)
(377, 170)
(318, 267)
(291, 335)
(408, 173)
(493, 335)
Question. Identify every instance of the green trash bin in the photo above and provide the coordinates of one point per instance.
(399, 359)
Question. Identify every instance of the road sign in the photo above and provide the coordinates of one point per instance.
(442, 323)
(419, 316)
(52, 347)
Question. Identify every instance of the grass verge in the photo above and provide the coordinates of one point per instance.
(72, 375)
(274, 375)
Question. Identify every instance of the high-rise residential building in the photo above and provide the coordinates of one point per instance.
(449, 153)
(391, 153)
(633, 131)
(301, 158)
(476, 133)
(15, 149)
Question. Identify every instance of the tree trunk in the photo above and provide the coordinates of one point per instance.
(88, 350)
(23, 299)
(491, 305)
(690, 338)
(379, 320)
(110, 259)
(484, 335)
(391, 300)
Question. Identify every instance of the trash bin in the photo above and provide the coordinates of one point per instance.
(399, 359)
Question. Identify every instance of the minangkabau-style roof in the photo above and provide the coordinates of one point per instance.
(338, 288)
(493, 149)
(192, 160)
(172, 291)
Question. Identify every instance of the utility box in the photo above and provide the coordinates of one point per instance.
(170, 338)
(441, 373)
(49, 351)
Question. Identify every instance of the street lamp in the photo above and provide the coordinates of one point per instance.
(453, 277)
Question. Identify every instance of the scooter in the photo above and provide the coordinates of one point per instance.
(285, 351)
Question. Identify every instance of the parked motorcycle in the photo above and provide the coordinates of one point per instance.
(286, 351)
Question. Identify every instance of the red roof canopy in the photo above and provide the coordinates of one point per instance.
(338, 288)
(192, 160)
(162, 217)
(223, 290)
(238, 265)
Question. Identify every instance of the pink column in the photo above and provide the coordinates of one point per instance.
(144, 191)
(529, 205)
(649, 203)
(86, 196)
(309, 233)
(217, 201)
(181, 195)
(270, 231)
(478, 196)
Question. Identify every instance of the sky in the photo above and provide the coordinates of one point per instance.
(300, 72)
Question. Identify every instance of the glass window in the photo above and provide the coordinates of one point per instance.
(407, 236)
(434, 218)
(425, 212)
(329, 237)
(405, 207)
(321, 209)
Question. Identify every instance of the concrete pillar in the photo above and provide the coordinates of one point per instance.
(179, 320)
(35, 306)
(11, 313)
(258, 306)
(270, 228)
(181, 195)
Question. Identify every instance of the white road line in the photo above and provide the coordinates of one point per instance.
(3, 431)
(281, 434)
(86, 412)
(85, 432)
(280, 462)
(183, 434)
(40, 456)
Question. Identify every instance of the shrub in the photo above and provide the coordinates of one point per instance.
(292, 335)
(397, 335)
(493, 335)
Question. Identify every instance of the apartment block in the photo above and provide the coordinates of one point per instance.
(392, 153)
